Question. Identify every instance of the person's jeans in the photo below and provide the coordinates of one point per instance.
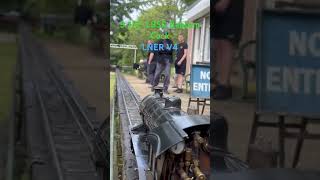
(162, 67)
(151, 71)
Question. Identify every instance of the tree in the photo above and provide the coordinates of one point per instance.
(119, 11)
(150, 10)
(7, 5)
(166, 10)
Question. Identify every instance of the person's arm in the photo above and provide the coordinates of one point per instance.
(183, 57)
(222, 5)
(150, 58)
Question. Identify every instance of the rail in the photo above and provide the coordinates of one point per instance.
(73, 144)
(133, 150)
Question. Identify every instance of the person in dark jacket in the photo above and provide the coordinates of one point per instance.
(82, 14)
(227, 23)
(152, 64)
(165, 58)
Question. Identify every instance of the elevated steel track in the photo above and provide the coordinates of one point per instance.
(134, 150)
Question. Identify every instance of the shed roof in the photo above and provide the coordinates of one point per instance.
(197, 10)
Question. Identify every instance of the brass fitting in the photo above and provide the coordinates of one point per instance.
(206, 146)
(187, 165)
(184, 175)
(188, 154)
(198, 138)
(195, 144)
(196, 170)
(188, 158)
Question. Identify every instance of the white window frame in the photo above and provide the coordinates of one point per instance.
(206, 40)
(198, 54)
(196, 57)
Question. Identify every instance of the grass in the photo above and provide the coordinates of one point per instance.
(112, 84)
(72, 34)
(172, 70)
(117, 149)
(8, 56)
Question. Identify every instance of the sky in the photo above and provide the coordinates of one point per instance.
(135, 14)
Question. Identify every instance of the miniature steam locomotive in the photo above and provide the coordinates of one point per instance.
(177, 142)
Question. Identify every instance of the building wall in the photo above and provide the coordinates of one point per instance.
(190, 50)
(199, 42)
(249, 25)
(249, 21)
(250, 18)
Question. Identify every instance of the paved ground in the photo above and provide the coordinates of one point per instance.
(143, 89)
(86, 70)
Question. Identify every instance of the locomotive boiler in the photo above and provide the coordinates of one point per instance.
(177, 142)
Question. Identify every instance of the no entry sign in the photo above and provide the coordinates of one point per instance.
(200, 81)
(288, 65)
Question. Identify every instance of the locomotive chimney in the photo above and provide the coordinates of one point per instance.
(158, 91)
